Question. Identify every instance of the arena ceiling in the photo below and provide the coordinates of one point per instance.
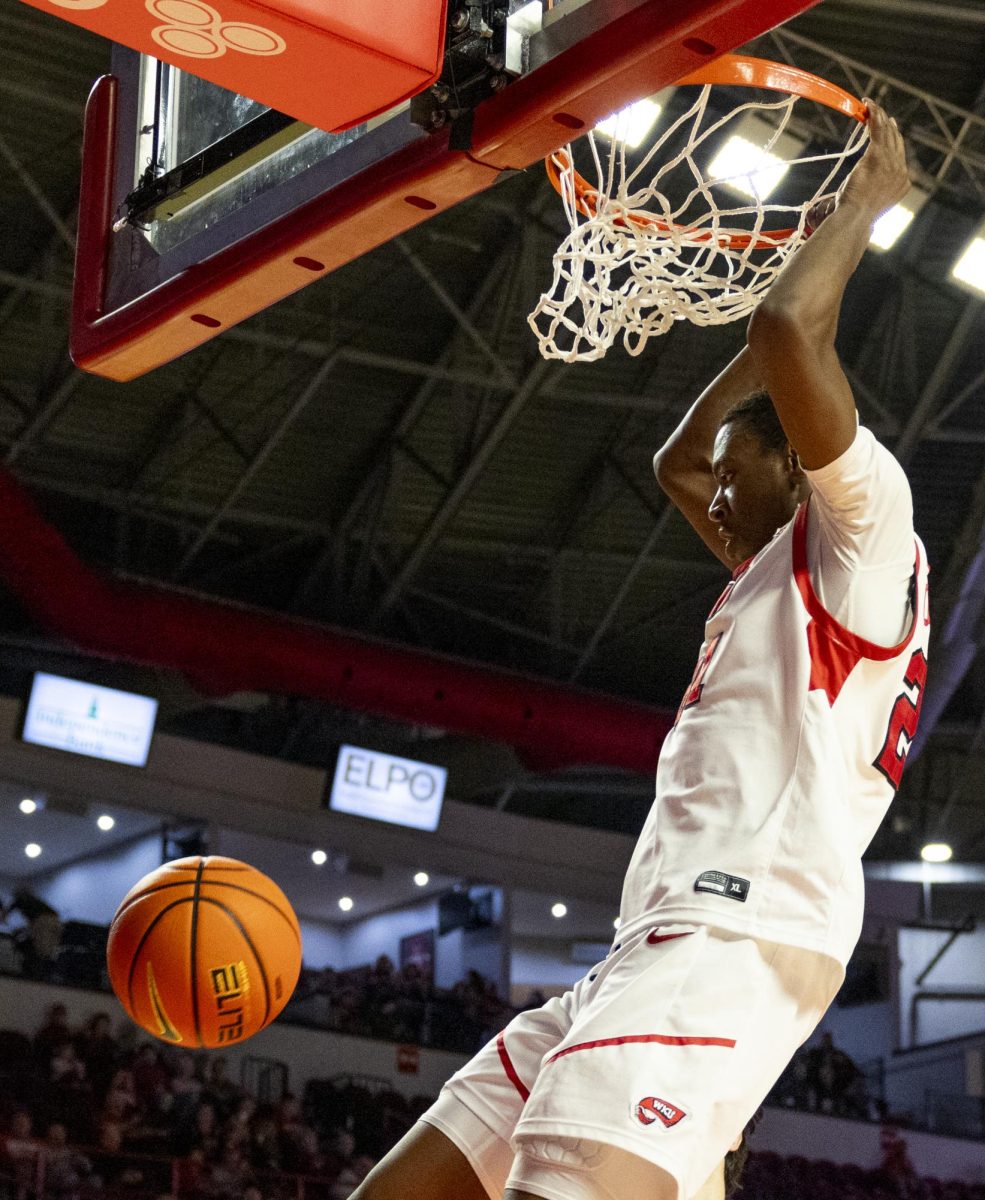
(445, 489)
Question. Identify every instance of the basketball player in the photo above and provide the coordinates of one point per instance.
(744, 897)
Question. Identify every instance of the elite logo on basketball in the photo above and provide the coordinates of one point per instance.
(652, 1108)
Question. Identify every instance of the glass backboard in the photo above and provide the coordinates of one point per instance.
(200, 207)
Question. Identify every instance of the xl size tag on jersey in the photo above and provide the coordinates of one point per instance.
(721, 884)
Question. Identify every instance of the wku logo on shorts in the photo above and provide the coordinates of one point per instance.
(652, 1108)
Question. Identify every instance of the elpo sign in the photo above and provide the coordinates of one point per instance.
(385, 788)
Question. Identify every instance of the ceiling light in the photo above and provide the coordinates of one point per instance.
(890, 227)
(319, 858)
(422, 878)
(936, 852)
(631, 124)
(747, 168)
(754, 159)
(893, 223)
(105, 822)
(32, 849)
(28, 806)
(969, 270)
(345, 903)
(559, 910)
(617, 922)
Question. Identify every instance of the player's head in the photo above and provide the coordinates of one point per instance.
(759, 477)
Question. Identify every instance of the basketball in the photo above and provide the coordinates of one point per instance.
(204, 952)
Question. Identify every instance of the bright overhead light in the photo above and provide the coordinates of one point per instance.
(559, 910)
(617, 922)
(754, 159)
(32, 849)
(936, 852)
(891, 226)
(28, 806)
(422, 878)
(319, 858)
(747, 168)
(345, 903)
(970, 267)
(632, 123)
(105, 822)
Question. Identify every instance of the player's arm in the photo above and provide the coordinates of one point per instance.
(683, 464)
(792, 332)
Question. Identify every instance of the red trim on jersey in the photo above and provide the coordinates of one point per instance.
(835, 651)
(661, 1039)
(654, 939)
(510, 1070)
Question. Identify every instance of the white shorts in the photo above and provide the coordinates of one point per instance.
(664, 1050)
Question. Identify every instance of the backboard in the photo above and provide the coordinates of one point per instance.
(200, 207)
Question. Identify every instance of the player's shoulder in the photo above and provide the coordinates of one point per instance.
(866, 467)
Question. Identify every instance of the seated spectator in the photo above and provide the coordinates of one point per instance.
(201, 1133)
(219, 1088)
(65, 1169)
(834, 1076)
(109, 1167)
(292, 1134)
(149, 1074)
(118, 1113)
(351, 1177)
(96, 1048)
(122, 1085)
(67, 1098)
(231, 1174)
(237, 1127)
(340, 1148)
(154, 1131)
(186, 1088)
(40, 938)
(19, 1151)
(53, 1034)
(794, 1088)
(192, 1176)
(265, 1143)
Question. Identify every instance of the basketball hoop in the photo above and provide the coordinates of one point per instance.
(636, 260)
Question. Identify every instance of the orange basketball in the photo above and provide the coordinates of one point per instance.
(204, 951)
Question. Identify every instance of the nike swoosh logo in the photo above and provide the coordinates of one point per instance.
(164, 1026)
(654, 939)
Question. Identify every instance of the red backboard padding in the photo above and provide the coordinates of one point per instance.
(329, 64)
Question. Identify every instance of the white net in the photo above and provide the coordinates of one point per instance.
(635, 260)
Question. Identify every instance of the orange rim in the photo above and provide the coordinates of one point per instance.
(737, 70)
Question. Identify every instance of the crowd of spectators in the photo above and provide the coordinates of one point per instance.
(378, 1001)
(824, 1079)
(86, 1114)
(402, 1005)
(775, 1177)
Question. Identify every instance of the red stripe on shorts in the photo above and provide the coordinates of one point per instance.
(662, 1039)
(510, 1070)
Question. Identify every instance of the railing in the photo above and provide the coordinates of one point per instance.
(933, 1109)
(957, 1116)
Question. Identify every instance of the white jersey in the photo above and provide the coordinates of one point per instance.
(790, 741)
